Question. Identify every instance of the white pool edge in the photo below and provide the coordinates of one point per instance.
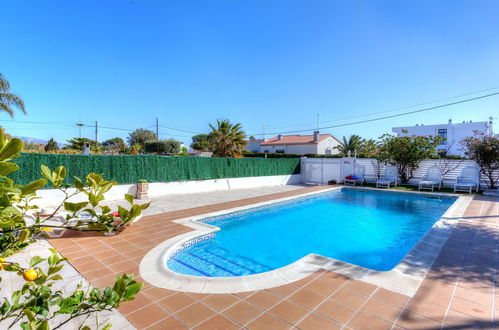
(405, 278)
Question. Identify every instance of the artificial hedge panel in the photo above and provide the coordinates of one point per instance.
(131, 169)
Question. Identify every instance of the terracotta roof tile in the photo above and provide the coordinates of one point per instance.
(295, 139)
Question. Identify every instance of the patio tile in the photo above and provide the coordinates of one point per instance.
(168, 323)
(176, 302)
(267, 321)
(381, 310)
(306, 298)
(349, 298)
(139, 302)
(242, 312)
(390, 297)
(220, 302)
(263, 299)
(315, 322)
(335, 311)
(194, 314)
(483, 297)
(471, 308)
(464, 321)
(218, 322)
(411, 320)
(284, 290)
(323, 288)
(289, 311)
(426, 309)
(360, 287)
(364, 321)
(154, 314)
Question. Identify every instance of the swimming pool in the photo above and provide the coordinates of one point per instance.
(372, 229)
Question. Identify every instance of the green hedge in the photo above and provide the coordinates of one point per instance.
(131, 169)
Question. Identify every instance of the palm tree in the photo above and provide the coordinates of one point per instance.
(9, 100)
(354, 143)
(227, 140)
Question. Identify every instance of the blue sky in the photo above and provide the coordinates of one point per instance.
(274, 63)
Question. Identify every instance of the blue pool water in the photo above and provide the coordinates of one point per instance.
(370, 229)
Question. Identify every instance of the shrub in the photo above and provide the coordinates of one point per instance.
(51, 145)
(484, 149)
(168, 147)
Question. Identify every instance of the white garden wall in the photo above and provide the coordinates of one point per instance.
(51, 197)
(321, 170)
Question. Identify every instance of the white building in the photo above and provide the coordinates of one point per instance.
(450, 132)
(322, 144)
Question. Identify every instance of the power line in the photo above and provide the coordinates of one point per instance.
(179, 130)
(393, 116)
(390, 110)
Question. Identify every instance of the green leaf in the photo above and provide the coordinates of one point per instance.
(122, 212)
(7, 168)
(29, 314)
(74, 207)
(35, 261)
(43, 326)
(129, 198)
(12, 149)
(105, 209)
(32, 187)
(46, 172)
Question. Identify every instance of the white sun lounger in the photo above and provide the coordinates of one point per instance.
(359, 171)
(468, 179)
(390, 176)
(432, 178)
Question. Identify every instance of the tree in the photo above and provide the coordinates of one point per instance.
(141, 136)
(169, 147)
(38, 304)
(201, 142)
(484, 150)
(8, 99)
(369, 148)
(116, 144)
(350, 145)
(406, 152)
(78, 143)
(51, 145)
(227, 140)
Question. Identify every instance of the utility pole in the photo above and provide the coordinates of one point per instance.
(96, 132)
(157, 128)
(264, 127)
(79, 128)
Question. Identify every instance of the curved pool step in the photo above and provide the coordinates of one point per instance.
(214, 262)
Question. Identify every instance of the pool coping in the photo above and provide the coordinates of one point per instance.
(405, 278)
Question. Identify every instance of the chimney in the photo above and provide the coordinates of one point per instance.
(279, 137)
(316, 136)
(450, 121)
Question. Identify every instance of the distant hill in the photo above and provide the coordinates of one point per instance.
(27, 139)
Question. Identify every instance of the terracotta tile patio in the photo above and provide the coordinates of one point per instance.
(458, 292)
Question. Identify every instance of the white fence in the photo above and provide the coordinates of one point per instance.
(321, 170)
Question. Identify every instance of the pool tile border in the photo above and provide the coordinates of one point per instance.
(405, 278)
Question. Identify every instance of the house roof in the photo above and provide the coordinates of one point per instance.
(295, 139)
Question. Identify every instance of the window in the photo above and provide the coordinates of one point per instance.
(443, 133)
(442, 152)
(280, 151)
(328, 151)
(266, 151)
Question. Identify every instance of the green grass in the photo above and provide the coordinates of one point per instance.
(415, 188)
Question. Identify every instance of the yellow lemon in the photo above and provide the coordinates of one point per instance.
(47, 229)
(30, 275)
(2, 262)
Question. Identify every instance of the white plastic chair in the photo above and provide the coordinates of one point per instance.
(468, 179)
(359, 171)
(432, 178)
(390, 175)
